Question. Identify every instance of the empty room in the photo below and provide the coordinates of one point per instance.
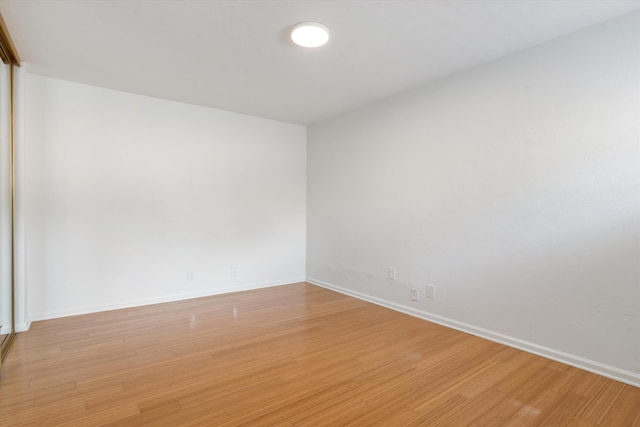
(320, 213)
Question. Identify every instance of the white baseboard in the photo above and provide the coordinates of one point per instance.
(612, 372)
(23, 327)
(157, 300)
(19, 327)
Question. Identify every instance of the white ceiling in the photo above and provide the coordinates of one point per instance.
(235, 55)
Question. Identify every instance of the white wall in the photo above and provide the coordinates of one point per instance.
(125, 194)
(513, 187)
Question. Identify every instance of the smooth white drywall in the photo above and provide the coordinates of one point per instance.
(512, 187)
(125, 195)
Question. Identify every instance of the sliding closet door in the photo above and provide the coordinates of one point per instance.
(10, 59)
(6, 211)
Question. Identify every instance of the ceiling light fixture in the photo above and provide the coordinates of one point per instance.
(309, 34)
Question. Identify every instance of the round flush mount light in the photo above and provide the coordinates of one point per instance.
(309, 34)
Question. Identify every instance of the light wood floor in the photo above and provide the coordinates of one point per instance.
(290, 355)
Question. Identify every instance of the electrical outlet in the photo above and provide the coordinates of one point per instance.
(189, 275)
(431, 291)
(233, 272)
(415, 294)
(393, 273)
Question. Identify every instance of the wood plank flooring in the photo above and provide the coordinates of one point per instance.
(289, 355)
